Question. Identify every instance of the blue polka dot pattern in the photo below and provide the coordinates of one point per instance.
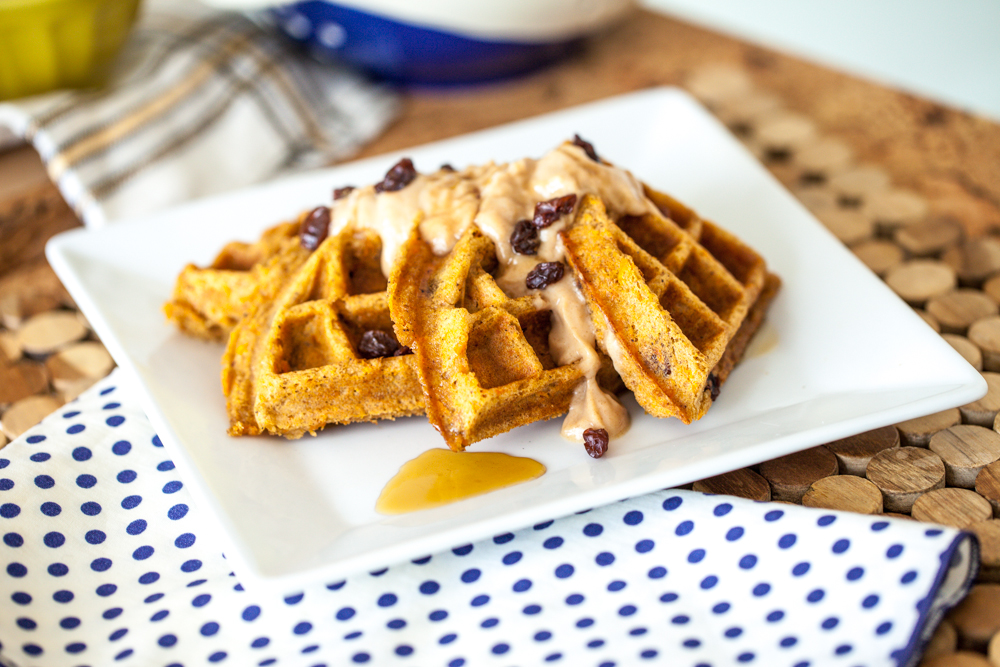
(103, 561)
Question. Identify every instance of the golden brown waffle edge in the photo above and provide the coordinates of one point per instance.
(665, 304)
(482, 356)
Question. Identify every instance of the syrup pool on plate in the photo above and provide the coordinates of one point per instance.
(441, 476)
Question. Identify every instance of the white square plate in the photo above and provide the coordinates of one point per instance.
(838, 355)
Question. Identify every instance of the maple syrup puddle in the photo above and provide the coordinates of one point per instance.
(440, 476)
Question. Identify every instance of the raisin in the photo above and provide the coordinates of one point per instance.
(340, 193)
(447, 167)
(315, 228)
(587, 147)
(398, 177)
(376, 343)
(544, 274)
(547, 212)
(595, 441)
(713, 385)
(524, 239)
(402, 351)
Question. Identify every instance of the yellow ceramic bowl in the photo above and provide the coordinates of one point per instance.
(49, 44)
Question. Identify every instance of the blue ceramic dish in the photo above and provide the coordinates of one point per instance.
(407, 53)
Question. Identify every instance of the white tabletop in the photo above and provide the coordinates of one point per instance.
(945, 51)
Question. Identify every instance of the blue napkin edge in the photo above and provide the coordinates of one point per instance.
(932, 609)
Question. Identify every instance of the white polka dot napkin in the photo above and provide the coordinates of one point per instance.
(103, 562)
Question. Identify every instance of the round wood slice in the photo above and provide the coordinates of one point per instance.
(903, 474)
(929, 238)
(958, 508)
(849, 225)
(854, 453)
(785, 131)
(16, 309)
(817, 200)
(929, 319)
(879, 255)
(988, 533)
(988, 485)
(965, 347)
(918, 280)
(897, 515)
(984, 411)
(778, 164)
(917, 432)
(965, 450)
(992, 288)
(22, 379)
(844, 492)
(744, 111)
(26, 413)
(47, 332)
(993, 650)
(977, 617)
(958, 310)
(83, 361)
(11, 313)
(743, 483)
(985, 334)
(71, 390)
(715, 84)
(958, 659)
(758, 151)
(3, 440)
(860, 182)
(10, 349)
(974, 260)
(791, 476)
(943, 641)
(33, 289)
(823, 158)
(895, 208)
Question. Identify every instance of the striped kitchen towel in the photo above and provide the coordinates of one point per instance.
(202, 102)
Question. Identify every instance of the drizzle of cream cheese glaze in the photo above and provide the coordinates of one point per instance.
(494, 197)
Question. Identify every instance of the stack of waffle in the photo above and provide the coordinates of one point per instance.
(318, 333)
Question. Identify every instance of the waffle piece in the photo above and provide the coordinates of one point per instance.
(208, 302)
(748, 329)
(665, 297)
(482, 356)
(293, 364)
